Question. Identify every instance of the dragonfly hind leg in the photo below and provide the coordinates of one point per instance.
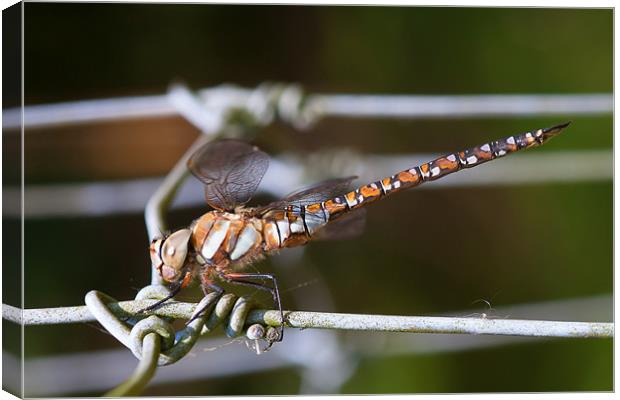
(207, 287)
(243, 279)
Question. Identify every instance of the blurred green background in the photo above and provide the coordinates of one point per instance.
(525, 243)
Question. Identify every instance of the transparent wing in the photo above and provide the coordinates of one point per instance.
(320, 192)
(314, 194)
(348, 226)
(231, 171)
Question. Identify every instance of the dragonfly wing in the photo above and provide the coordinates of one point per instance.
(320, 192)
(231, 171)
(296, 204)
(311, 195)
(348, 226)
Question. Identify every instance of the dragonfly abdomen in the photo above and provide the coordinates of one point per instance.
(437, 169)
(293, 226)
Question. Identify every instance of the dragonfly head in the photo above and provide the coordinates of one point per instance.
(168, 254)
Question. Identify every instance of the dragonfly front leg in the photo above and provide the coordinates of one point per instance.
(242, 279)
(175, 289)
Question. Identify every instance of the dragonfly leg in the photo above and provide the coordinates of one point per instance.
(242, 279)
(175, 289)
(205, 303)
(207, 287)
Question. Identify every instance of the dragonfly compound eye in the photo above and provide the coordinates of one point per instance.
(154, 250)
(174, 249)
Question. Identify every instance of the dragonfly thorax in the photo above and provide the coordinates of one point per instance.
(220, 238)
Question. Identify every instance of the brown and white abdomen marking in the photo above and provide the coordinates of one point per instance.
(435, 169)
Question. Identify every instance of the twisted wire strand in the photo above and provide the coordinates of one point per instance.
(215, 310)
(146, 339)
(209, 124)
(303, 110)
(144, 372)
(154, 341)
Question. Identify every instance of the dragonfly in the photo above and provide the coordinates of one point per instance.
(220, 245)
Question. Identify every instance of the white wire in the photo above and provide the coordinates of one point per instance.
(224, 97)
(88, 111)
(459, 106)
(83, 372)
